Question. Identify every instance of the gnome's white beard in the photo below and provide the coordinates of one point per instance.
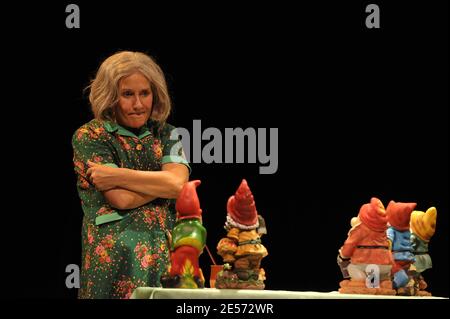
(230, 223)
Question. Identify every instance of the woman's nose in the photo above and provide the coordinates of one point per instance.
(138, 102)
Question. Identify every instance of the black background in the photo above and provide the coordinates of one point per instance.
(360, 112)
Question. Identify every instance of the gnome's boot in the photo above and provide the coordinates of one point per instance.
(423, 293)
(421, 286)
(352, 286)
(407, 290)
(168, 281)
(386, 284)
(386, 288)
(359, 287)
(422, 283)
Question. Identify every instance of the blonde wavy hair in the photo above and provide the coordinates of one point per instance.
(104, 89)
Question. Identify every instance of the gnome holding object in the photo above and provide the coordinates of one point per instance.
(423, 226)
(367, 246)
(242, 250)
(188, 240)
(399, 236)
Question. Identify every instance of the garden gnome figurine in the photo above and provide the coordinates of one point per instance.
(188, 240)
(399, 236)
(242, 250)
(365, 257)
(423, 226)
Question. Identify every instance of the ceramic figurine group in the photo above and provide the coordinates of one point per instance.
(386, 250)
(385, 253)
(241, 249)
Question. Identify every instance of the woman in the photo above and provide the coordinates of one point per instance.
(128, 175)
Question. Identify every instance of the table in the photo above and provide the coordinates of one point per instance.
(213, 293)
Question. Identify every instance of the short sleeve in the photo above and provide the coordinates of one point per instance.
(90, 144)
(172, 147)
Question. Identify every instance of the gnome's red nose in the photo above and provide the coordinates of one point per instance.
(188, 205)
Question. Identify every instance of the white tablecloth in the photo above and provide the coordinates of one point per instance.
(212, 293)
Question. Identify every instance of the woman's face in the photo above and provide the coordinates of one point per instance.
(135, 101)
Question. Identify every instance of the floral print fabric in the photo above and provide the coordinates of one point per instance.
(129, 248)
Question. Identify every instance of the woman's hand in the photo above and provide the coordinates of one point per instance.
(102, 177)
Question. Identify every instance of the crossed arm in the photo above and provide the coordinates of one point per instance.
(126, 188)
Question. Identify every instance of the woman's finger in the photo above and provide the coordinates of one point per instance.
(92, 164)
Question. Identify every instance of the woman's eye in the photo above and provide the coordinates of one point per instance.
(145, 93)
(127, 93)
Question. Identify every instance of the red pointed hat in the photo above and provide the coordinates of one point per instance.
(373, 215)
(241, 206)
(188, 205)
(399, 214)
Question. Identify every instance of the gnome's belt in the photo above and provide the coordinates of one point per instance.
(402, 251)
(249, 242)
(420, 252)
(372, 247)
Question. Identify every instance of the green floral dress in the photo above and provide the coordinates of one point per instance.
(123, 249)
